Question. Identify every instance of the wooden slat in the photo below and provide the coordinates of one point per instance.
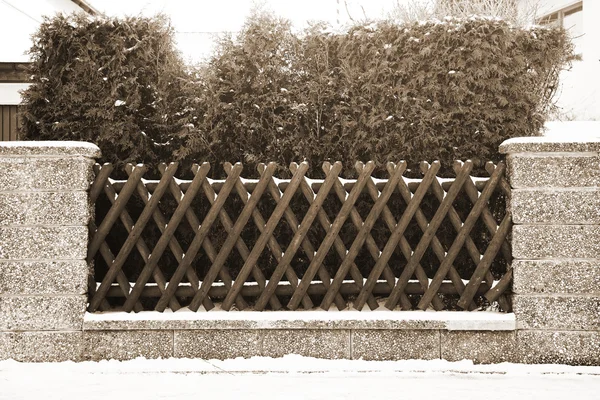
(298, 237)
(187, 259)
(132, 239)
(315, 185)
(230, 242)
(395, 237)
(486, 261)
(338, 244)
(207, 245)
(331, 236)
(269, 227)
(114, 212)
(422, 222)
(428, 235)
(161, 223)
(364, 231)
(316, 289)
(307, 246)
(98, 238)
(460, 238)
(240, 246)
(272, 243)
(457, 224)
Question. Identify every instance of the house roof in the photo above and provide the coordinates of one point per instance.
(85, 6)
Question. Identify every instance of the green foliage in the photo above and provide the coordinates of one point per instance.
(115, 82)
(447, 90)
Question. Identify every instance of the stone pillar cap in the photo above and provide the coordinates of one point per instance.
(552, 144)
(50, 148)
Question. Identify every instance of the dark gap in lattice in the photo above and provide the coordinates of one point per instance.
(464, 264)
(332, 205)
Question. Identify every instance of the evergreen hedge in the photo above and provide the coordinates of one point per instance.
(116, 82)
(447, 90)
(451, 89)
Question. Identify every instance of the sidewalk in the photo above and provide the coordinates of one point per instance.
(294, 377)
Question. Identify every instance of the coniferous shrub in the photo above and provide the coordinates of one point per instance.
(451, 89)
(116, 82)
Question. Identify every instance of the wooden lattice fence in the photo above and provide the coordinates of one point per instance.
(289, 243)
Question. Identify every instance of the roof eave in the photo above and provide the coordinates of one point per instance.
(85, 6)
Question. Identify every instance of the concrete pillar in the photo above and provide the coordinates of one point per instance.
(44, 216)
(555, 205)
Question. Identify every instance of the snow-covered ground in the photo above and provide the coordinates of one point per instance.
(294, 377)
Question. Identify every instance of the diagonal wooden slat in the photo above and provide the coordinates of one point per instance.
(239, 244)
(230, 243)
(460, 238)
(486, 261)
(176, 249)
(114, 212)
(362, 234)
(338, 244)
(131, 240)
(102, 173)
(273, 245)
(105, 251)
(358, 223)
(457, 223)
(299, 235)
(503, 301)
(307, 246)
(331, 236)
(495, 293)
(207, 245)
(405, 247)
(134, 239)
(428, 235)
(491, 225)
(268, 229)
(486, 216)
(203, 231)
(395, 237)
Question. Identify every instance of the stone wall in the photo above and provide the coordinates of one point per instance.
(556, 247)
(555, 204)
(44, 215)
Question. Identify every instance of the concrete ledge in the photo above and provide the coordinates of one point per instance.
(217, 344)
(43, 243)
(41, 346)
(556, 276)
(410, 320)
(375, 344)
(49, 148)
(41, 313)
(553, 171)
(555, 241)
(127, 345)
(49, 174)
(481, 347)
(557, 312)
(559, 347)
(549, 144)
(318, 343)
(566, 206)
(44, 208)
(43, 277)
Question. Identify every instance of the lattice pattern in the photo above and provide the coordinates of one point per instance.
(275, 243)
